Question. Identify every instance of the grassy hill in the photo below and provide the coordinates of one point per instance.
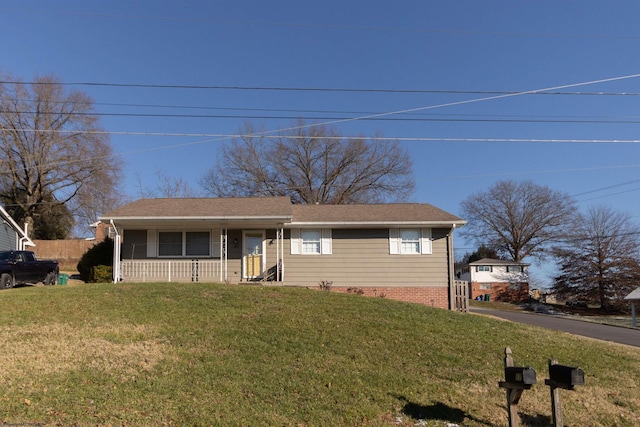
(208, 354)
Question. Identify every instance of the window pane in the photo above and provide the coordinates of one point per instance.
(197, 243)
(170, 243)
(310, 241)
(410, 241)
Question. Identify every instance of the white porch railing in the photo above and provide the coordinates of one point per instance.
(171, 270)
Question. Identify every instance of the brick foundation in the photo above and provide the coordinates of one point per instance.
(500, 291)
(432, 297)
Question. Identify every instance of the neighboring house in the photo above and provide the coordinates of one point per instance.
(102, 231)
(12, 237)
(400, 251)
(501, 280)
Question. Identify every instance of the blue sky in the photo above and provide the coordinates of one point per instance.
(426, 56)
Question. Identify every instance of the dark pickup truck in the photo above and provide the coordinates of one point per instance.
(23, 267)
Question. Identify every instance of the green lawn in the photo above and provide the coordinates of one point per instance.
(208, 354)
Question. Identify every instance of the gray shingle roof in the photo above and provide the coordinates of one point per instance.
(375, 213)
(281, 207)
(246, 207)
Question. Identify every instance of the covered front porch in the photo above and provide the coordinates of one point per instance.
(202, 253)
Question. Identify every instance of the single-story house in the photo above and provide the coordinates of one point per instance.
(399, 251)
(12, 237)
(496, 279)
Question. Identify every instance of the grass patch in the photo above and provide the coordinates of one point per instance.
(208, 354)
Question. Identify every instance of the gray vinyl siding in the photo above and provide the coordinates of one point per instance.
(8, 238)
(361, 258)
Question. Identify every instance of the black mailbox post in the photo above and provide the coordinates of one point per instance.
(561, 377)
(566, 377)
(521, 375)
(516, 380)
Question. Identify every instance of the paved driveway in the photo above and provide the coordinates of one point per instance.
(561, 323)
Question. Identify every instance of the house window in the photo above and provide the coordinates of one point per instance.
(483, 268)
(514, 269)
(170, 243)
(409, 241)
(485, 286)
(187, 243)
(197, 243)
(310, 241)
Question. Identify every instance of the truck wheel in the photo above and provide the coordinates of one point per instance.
(6, 281)
(50, 279)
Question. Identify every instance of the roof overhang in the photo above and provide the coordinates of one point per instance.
(195, 221)
(376, 224)
(633, 296)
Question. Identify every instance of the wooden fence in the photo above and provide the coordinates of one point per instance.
(460, 296)
(67, 252)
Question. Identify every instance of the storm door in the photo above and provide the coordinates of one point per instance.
(253, 254)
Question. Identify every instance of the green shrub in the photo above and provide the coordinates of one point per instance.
(102, 274)
(100, 254)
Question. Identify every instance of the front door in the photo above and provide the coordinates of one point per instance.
(253, 254)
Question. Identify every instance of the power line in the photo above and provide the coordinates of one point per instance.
(269, 134)
(321, 89)
(292, 117)
(372, 138)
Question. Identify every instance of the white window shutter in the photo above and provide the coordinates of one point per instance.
(325, 244)
(394, 241)
(295, 241)
(151, 243)
(216, 239)
(425, 243)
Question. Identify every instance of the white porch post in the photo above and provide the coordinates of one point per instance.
(223, 253)
(117, 264)
(280, 252)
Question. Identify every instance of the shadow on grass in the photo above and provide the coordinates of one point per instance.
(536, 420)
(437, 411)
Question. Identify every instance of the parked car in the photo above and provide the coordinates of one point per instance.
(23, 267)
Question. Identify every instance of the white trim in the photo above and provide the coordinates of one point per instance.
(394, 241)
(326, 242)
(152, 243)
(295, 241)
(425, 241)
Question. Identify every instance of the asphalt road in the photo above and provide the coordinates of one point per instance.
(561, 323)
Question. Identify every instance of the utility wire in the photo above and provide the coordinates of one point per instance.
(282, 117)
(325, 89)
(223, 136)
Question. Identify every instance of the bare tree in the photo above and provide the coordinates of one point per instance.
(168, 187)
(53, 151)
(600, 261)
(311, 164)
(519, 220)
